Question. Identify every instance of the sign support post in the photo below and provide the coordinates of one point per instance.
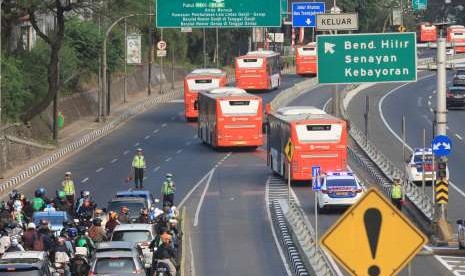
(316, 187)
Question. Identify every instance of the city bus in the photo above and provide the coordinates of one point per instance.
(427, 33)
(230, 117)
(258, 70)
(456, 33)
(306, 59)
(318, 139)
(199, 80)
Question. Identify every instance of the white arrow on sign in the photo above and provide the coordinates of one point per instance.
(308, 21)
(329, 47)
(446, 145)
(436, 146)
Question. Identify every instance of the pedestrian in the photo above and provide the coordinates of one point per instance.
(138, 165)
(68, 188)
(167, 190)
(396, 194)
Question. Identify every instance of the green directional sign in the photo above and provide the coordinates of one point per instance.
(419, 4)
(218, 13)
(357, 58)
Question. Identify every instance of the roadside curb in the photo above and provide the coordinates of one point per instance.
(79, 143)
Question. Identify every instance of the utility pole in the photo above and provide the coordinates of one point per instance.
(336, 95)
(3, 140)
(125, 92)
(149, 69)
(172, 67)
(160, 80)
(217, 50)
(204, 50)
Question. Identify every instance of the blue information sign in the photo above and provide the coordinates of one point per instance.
(419, 4)
(315, 178)
(441, 145)
(303, 14)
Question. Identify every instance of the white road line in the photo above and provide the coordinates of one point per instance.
(136, 144)
(458, 136)
(202, 198)
(172, 118)
(430, 96)
(145, 177)
(99, 169)
(273, 231)
(147, 137)
(164, 125)
(85, 180)
(114, 160)
(183, 201)
(126, 152)
(155, 131)
(156, 168)
(327, 103)
(419, 101)
(431, 110)
(168, 159)
(188, 143)
(178, 151)
(429, 103)
(380, 111)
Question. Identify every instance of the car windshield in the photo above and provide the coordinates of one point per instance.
(114, 265)
(134, 206)
(341, 182)
(53, 220)
(457, 91)
(460, 72)
(19, 261)
(31, 271)
(419, 158)
(109, 249)
(131, 236)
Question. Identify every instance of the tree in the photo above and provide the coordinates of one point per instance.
(54, 39)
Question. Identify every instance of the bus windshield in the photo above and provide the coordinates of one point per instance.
(239, 107)
(319, 133)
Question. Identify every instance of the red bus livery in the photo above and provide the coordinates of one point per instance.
(456, 33)
(306, 59)
(318, 138)
(427, 32)
(200, 80)
(259, 70)
(230, 117)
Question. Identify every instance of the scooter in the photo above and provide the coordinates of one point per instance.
(161, 269)
(62, 264)
(80, 263)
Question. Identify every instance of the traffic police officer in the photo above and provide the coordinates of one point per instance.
(167, 190)
(68, 188)
(138, 165)
(396, 194)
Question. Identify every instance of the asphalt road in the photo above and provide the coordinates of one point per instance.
(421, 265)
(171, 145)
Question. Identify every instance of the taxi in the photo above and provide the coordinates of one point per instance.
(338, 189)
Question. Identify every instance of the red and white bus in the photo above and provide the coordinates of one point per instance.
(318, 139)
(427, 32)
(456, 33)
(258, 70)
(306, 59)
(200, 80)
(230, 117)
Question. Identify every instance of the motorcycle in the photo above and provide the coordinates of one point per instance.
(161, 269)
(80, 265)
(62, 264)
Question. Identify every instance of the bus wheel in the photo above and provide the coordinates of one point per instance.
(319, 209)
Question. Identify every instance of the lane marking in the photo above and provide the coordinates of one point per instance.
(168, 159)
(155, 131)
(429, 103)
(430, 96)
(164, 125)
(172, 118)
(136, 144)
(178, 151)
(156, 168)
(419, 101)
(145, 177)
(85, 180)
(380, 111)
(99, 169)
(458, 136)
(188, 143)
(114, 160)
(202, 198)
(126, 152)
(273, 231)
(327, 103)
(147, 137)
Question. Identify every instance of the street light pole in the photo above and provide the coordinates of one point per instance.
(2, 134)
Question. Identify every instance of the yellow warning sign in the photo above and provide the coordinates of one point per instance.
(289, 150)
(373, 238)
(442, 192)
(401, 29)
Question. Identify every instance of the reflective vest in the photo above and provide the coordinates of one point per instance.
(396, 192)
(168, 188)
(138, 162)
(68, 187)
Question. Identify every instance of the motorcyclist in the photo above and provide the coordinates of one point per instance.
(166, 254)
(15, 246)
(79, 264)
(13, 195)
(5, 216)
(4, 241)
(96, 231)
(112, 222)
(29, 235)
(123, 216)
(83, 240)
(61, 203)
(144, 216)
(168, 189)
(86, 211)
(43, 195)
(37, 202)
(85, 196)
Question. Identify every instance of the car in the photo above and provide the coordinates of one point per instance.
(415, 164)
(135, 204)
(137, 194)
(459, 77)
(116, 263)
(139, 233)
(450, 51)
(461, 233)
(338, 189)
(27, 263)
(55, 218)
(120, 246)
(455, 96)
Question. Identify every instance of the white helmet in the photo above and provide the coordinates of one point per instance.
(31, 225)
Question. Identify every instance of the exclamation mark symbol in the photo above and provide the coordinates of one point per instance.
(373, 220)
